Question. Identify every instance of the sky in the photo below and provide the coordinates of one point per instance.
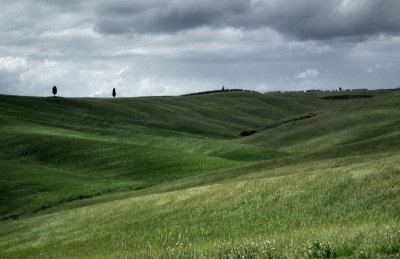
(160, 47)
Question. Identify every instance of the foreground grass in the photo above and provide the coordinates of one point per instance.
(347, 208)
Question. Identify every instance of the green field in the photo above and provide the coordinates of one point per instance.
(171, 177)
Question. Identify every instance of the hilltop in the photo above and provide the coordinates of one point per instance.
(174, 176)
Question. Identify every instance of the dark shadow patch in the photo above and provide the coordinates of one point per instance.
(247, 133)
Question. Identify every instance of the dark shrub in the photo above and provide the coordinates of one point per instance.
(247, 133)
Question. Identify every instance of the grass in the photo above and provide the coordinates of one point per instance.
(161, 187)
(84, 158)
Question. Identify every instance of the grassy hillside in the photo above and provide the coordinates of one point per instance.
(170, 176)
(357, 125)
(74, 148)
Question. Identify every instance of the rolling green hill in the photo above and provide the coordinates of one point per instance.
(172, 177)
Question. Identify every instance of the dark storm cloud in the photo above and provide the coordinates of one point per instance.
(165, 16)
(310, 19)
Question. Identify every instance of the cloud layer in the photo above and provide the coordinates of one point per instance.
(156, 47)
(309, 19)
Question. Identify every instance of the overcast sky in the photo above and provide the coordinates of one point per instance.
(160, 47)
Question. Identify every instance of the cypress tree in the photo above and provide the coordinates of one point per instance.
(54, 90)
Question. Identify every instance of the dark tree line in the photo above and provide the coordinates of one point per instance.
(222, 90)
